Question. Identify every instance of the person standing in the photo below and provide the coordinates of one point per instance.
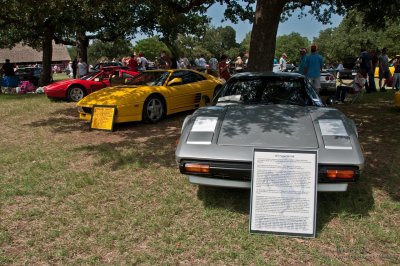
(384, 72)
(396, 74)
(282, 62)
(133, 63)
(313, 67)
(239, 64)
(165, 60)
(82, 68)
(365, 66)
(74, 68)
(8, 69)
(213, 63)
(371, 76)
(202, 64)
(302, 60)
(223, 68)
(143, 62)
(184, 62)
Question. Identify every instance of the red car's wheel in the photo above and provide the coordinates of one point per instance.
(75, 93)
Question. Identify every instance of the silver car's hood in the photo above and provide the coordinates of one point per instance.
(275, 127)
(231, 132)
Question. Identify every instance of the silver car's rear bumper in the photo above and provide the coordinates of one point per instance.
(198, 180)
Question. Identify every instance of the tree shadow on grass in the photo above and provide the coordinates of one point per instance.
(63, 121)
(377, 123)
(154, 151)
(356, 202)
(140, 144)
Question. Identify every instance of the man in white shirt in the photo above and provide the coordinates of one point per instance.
(183, 62)
(82, 68)
(282, 62)
(142, 62)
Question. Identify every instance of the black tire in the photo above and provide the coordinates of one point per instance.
(153, 109)
(75, 93)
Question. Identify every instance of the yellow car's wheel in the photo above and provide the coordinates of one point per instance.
(153, 109)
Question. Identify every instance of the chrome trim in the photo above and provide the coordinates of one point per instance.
(197, 180)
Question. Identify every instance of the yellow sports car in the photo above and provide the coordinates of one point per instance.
(153, 94)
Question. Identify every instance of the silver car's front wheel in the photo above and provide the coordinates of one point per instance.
(153, 109)
(75, 94)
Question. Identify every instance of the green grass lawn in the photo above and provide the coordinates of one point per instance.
(70, 196)
(60, 76)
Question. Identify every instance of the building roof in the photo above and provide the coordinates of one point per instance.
(25, 54)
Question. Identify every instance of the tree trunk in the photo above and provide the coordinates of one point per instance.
(263, 35)
(47, 46)
(82, 43)
(172, 47)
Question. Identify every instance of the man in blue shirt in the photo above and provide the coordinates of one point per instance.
(302, 63)
(313, 67)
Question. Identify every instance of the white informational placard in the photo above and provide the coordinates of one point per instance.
(284, 192)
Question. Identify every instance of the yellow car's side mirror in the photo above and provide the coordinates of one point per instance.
(175, 81)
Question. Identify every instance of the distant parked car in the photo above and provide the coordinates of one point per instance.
(31, 74)
(105, 64)
(328, 82)
(76, 89)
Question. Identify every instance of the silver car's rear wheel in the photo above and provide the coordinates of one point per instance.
(153, 109)
(75, 93)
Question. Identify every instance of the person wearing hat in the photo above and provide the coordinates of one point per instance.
(282, 62)
(313, 67)
(302, 60)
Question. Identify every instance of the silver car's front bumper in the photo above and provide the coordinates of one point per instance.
(322, 187)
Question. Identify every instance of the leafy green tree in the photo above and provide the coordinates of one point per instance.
(326, 45)
(353, 34)
(151, 47)
(34, 23)
(38, 23)
(290, 44)
(219, 40)
(170, 18)
(109, 50)
(245, 44)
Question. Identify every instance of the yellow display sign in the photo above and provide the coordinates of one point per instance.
(103, 117)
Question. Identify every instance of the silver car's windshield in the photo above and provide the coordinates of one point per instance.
(267, 90)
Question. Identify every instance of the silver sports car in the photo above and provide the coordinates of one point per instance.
(267, 111)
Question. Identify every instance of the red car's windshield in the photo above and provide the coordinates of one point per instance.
(90, 75)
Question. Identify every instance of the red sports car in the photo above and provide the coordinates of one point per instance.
(76, 89)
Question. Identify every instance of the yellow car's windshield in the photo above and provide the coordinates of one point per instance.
(151, 78)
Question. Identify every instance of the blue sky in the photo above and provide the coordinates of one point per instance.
(307, 26)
